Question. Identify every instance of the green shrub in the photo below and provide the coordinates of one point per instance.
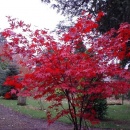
(8, 92)
(100, 106)
(4, 90)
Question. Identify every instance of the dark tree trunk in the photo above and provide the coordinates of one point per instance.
(21, 101)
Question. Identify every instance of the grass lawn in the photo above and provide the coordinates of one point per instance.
(30, 109)
(118, 116)
(33, 108)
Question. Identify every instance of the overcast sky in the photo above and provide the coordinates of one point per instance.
(30, 11)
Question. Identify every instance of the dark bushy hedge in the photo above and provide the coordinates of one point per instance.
(100, 106)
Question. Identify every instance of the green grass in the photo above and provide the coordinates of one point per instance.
(117, 112)
(118, 115)
(30, 109)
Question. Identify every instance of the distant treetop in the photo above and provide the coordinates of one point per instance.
(116, 11)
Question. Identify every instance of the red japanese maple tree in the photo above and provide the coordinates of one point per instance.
(65, 77)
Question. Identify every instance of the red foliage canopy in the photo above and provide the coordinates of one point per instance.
(59, 74)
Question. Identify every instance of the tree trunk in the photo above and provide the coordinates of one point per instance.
(21, 101)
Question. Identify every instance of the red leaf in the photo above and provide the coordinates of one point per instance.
(100, 15)
(7, 95)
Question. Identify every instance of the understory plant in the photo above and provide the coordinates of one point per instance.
(81, 78)
(7, 91)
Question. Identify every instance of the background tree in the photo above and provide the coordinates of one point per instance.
(75, 7)
(116, 12)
